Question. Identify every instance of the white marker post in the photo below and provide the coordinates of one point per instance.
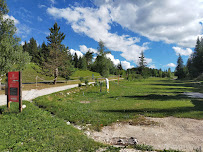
(107, 85)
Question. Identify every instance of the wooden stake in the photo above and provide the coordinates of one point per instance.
(20, 91)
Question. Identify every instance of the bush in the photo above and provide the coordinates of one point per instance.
(81, 79)
(86, 82)
(144, 147)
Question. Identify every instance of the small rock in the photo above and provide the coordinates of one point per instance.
(23, 106)
(68, 123)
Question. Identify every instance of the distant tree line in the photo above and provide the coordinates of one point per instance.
(142, 71)
(194, 66)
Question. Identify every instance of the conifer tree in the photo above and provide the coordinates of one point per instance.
(58, 58)
(179, 71)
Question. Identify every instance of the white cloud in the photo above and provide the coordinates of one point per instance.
(181, 51)
(152, 66)
(79, 54)
(11, 18)
(39, 19)
(95, 23)
(126, 65)
(22, 43)
(172, 65)
(41, 6)
(23, 30)
(52, 1)
(166, 20)
(84, 49)
(111, 57)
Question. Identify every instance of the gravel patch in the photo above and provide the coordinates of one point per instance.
(170, 133)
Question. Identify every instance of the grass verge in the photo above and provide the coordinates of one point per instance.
(37, 130)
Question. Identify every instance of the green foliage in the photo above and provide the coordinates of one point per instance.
(103, 65)
(37, 130)
(82, 63)
(12, 56)
(144, 147)
(180, 71)
(86, 82)
(195, 62)
(86, 73)
(59, 58)
(89, 57)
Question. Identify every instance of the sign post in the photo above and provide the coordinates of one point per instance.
(14, 92)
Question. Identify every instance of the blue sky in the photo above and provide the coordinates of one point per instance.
(162, 29)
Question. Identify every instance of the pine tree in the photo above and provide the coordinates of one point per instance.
(179, 71)
(33, 50)
(101, 63)
(142, 66)
(12, 56)
(58, 54)
(195, 66)
(75, 60)
(89, 57)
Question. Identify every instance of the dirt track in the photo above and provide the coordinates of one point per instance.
(170, 133)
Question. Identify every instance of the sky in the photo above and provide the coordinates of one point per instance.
(162, 29)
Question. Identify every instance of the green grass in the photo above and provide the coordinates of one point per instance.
(84, 73)
(151, 97)
(32, 70)
(37, 130)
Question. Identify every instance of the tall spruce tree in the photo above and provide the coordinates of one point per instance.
(179, 71)
(33, 50)
(12, 56)
(89, 57)
(195, 66)
(101, 63)
(58, 58)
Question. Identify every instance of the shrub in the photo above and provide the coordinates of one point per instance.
(144, 147)
(81, 79)
(86, 82)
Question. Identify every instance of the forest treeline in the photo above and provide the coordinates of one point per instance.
(56, 60)
(194, 65)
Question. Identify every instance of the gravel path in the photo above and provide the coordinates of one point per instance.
(194, 94)
(34, 93)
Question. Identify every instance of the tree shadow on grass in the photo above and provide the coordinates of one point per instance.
(198, 106)
(154, 97)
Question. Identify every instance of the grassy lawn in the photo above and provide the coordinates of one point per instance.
(152, 97)
(37, 130)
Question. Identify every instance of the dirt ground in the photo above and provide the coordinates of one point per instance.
(168, 133)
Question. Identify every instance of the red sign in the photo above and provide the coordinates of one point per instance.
(13, 86)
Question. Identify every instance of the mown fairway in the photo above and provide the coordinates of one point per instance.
(35, 129)
(151, 97)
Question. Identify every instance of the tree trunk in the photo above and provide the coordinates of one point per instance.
(55, 75)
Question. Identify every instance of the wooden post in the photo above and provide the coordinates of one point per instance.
(20, 91)
(100, 86)
(8, 103)
(6, 93)
(36, 81)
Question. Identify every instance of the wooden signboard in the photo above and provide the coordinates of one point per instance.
(14, 92)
